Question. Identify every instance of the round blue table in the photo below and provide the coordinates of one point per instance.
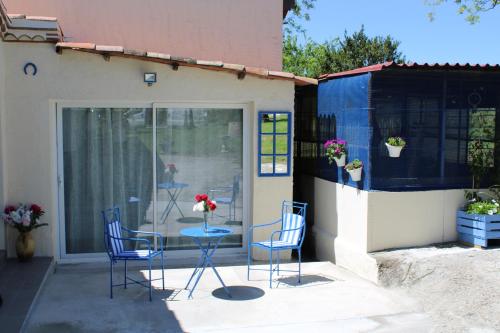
(174, 190)
(207, 241)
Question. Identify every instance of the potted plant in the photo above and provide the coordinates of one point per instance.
(25, 219)
(336, 151)
(395, 144)
(479, 219)
(355, 168)
(170, 172)
(204, 205)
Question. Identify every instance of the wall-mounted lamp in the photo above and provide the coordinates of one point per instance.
(150, 78)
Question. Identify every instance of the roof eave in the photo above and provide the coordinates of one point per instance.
(240, 70)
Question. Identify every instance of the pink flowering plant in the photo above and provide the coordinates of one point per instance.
(335, 148)
(23, 217)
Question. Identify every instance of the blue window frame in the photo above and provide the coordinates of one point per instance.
(274, 143)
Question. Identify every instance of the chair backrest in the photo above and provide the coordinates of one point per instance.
(236, 187)
(293, 216)
(112, 231)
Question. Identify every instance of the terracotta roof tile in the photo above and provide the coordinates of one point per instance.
(241, 70)
(109, 48)
(257, 71)
(209, 63)
(158, 55)
(135, 53)
(234, 67)
(281, 74)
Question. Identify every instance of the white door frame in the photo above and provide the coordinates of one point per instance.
(63, 256)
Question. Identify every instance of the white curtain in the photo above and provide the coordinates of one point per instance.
(107, 162)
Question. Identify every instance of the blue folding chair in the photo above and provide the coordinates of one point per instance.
(291, 236)
(113, 242)
(227, 195)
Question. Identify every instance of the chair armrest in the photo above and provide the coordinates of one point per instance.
(134, 239)
(143, 232)
(263, 225)
(159, 235)
(221, 189)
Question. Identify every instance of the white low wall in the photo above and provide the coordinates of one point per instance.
(350, 223)
(404, 219)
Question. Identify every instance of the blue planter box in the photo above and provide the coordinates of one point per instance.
(477, 229)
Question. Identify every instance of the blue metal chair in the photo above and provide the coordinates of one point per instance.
(226, 195)
(114, 245)
(291, 236)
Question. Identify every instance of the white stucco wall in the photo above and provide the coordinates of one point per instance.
(30, 137)
(350, 223)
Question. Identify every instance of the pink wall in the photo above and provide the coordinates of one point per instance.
(245, 32)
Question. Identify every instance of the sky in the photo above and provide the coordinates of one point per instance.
(449, 38)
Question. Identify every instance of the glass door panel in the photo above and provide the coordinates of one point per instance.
(200, 150)
(107, 156)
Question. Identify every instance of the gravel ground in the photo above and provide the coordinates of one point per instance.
(458, 287)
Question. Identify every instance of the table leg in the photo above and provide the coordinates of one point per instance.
(174, 197)
(169, 207)
(201, 262)
(206, 260)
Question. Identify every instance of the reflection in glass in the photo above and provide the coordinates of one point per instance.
(202, 152)
(281, 123)
(274, 143)
(107, 156)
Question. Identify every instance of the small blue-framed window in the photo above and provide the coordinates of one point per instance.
(274, 143)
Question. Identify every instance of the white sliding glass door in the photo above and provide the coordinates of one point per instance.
(150, 162)
(200, 151)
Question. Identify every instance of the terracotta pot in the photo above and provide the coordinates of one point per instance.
(340, 161)
(25, 246)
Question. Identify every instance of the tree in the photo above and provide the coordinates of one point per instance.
(352, 51)
(300, 11)
(472, 9)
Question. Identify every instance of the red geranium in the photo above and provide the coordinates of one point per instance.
(9, 209)
(204, 204)
(201, 197)
(211, 205)
(37, 210)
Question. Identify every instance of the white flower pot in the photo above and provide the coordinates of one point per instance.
(394, 151)
(355, 174)
(340, 161)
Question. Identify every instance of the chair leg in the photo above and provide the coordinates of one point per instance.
(125, 278)
(111, 279)
(271, 269)
(300, 260)
(249, 250)
(150, 290)
(278, 262)
(162, 271)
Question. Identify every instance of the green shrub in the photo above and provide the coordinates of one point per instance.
(483, 208)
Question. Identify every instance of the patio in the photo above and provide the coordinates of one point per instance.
(331, 299)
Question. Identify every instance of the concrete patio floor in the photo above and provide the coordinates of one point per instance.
(330, 299)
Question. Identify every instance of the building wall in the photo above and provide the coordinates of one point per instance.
(2, 156)
(234, 31)
(343, 113)
(351, 223)
(30, 137)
